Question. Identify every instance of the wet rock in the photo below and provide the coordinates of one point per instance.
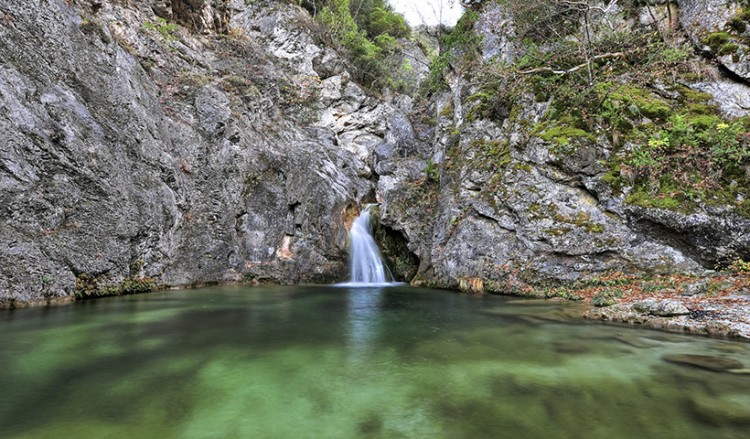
(664, 308)
(714, 364)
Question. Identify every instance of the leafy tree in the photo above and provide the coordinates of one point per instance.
(365, 32)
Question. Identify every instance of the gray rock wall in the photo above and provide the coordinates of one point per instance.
(130, 149)
(527, 215)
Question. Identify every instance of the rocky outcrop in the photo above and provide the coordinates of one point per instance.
(494, 207)
(134, 148)
(718, 27)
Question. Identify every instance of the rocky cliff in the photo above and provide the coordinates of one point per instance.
(550, 165)
(173, 143)
(207, 141)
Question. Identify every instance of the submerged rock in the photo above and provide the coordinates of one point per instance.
(720, 411)
(714, 364)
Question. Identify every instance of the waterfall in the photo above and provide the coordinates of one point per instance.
(367, 266)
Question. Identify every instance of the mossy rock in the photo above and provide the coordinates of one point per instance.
(728, 49)
(716, 39)
(88, 287)
(641, 197)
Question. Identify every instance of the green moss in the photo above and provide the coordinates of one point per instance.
(689, 95)
(716, 40)
(523, 167)
(647, 103)
(737, 24)
(623, 109)
(728, 49)
(582, 220)
(640, 197)
(703, 121)
(491, 154)
(561, 135)
(88, 287)
(613, 176)
(557, 231)
(702, 109)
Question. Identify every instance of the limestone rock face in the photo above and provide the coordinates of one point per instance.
(488, 200)
(700, 18)
(133, 148)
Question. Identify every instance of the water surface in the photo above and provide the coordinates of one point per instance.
(337, 362)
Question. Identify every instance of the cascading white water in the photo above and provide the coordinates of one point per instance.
(367, 266)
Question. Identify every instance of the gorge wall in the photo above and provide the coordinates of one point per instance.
(522, 192)
(210, 141)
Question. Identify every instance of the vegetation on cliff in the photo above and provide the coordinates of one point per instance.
(610, 76)
(366, 33)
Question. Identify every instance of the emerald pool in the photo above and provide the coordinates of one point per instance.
(338, 362)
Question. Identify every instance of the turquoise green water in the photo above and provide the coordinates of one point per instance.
(332, 362)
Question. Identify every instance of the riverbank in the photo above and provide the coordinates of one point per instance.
(718, 305)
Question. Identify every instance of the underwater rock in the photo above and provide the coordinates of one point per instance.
(720, 411)
(714, 364)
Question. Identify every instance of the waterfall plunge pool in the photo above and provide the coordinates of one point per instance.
(338, 362)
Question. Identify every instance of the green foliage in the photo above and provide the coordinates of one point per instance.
(366, 33)
(162, 27)
(740, 266)
(459, 47)
(432, 172)
(672, 148)
(382, 20)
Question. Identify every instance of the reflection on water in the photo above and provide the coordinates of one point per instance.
(364, 320)
(357, 362)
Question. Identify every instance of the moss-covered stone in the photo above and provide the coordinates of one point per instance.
(716, 39)
(640, 197)
(727, 49)
(88, 286)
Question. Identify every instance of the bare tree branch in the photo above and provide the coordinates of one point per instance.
(573, 69)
